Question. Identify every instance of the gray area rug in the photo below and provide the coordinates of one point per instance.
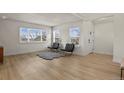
(48, 55)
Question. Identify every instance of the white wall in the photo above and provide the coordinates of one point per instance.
(85, 28)
(104, 38)
(88, 45)
(119, 37)
(9, 37)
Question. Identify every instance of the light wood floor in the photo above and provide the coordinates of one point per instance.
(31, 67)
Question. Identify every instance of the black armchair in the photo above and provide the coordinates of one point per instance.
(54, 46)
(69, 48)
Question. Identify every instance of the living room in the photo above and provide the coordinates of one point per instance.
(93, 36)
(65, 46)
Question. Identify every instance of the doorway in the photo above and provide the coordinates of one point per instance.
(103, 38)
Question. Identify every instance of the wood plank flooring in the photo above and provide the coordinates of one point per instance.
(31, 67)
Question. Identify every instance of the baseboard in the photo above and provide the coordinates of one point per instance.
(105, 53)
(117, 59)
(20, 53)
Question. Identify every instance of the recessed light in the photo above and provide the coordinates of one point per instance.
(105, 18)
(102, 19)
(4, 17)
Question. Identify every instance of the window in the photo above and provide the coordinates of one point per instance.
(56, 36)
(74, 33)
(32, 35)
(24, 33)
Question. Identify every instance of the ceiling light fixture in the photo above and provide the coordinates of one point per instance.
(4, 17)
(103, 18)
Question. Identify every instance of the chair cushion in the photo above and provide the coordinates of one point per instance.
(55, 45)
(69, 47)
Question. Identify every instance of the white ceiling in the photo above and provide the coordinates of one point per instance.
(52, 19)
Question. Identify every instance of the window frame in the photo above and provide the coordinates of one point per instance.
(29, 41)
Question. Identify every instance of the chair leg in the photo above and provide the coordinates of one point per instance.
(71, 53)
(121, 74)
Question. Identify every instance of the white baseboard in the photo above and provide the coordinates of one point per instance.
(106, 53)
(117, 59)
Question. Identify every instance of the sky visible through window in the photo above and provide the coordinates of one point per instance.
(24, 32)
(74, 32)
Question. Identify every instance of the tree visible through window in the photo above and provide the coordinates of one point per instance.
(32, 35)
(74, 33)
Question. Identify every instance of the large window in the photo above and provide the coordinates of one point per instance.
(32, 35)
(74, 33)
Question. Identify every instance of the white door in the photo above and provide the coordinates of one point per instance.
(103, 38)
